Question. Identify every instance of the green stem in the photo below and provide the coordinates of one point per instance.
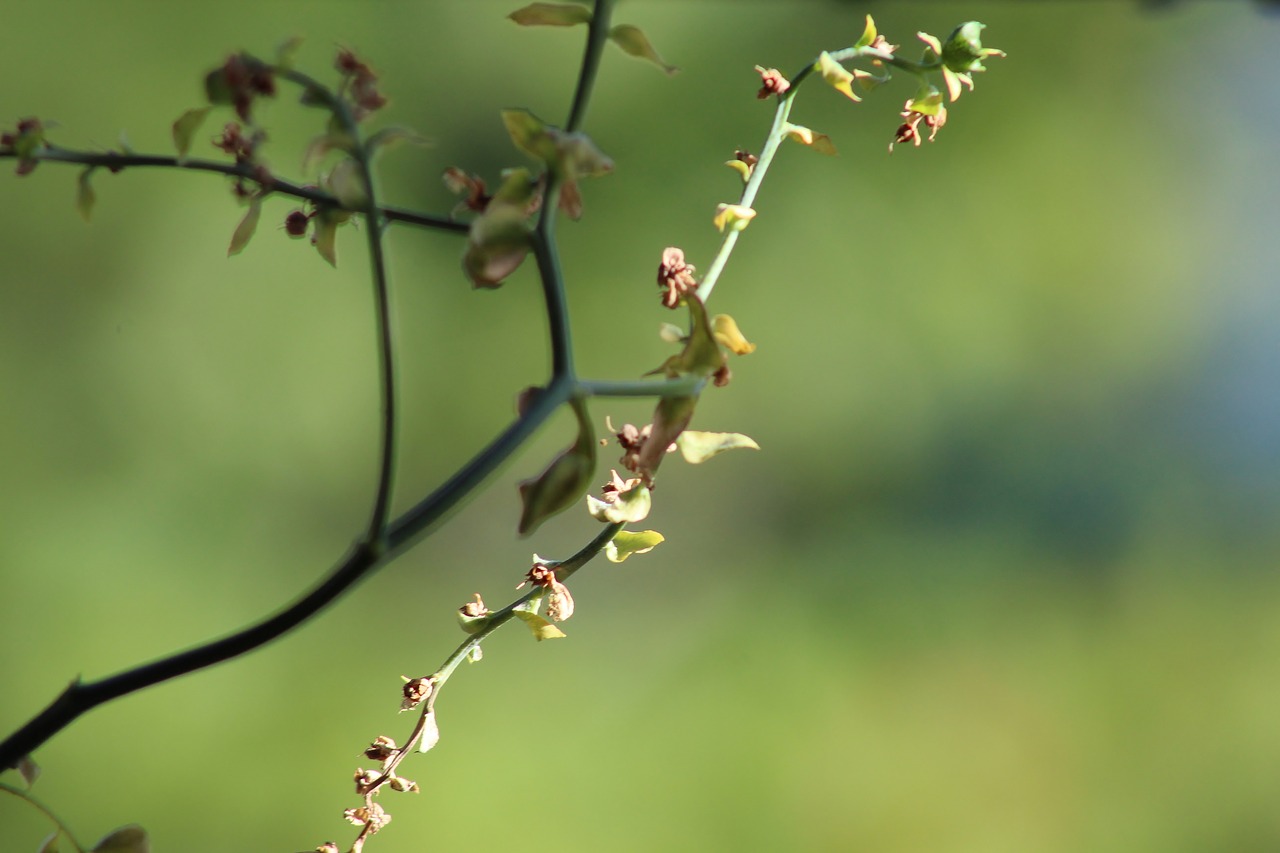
(62, 827)
(597, 36)
(682, 387)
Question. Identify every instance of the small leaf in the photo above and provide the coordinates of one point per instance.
(542, 628)
(287, 51)
(346, 184)
(551, 15)
(868, 34)
(126, 839)
(735, 217)
(85, 196)
(635, 43)
(390, 137)
(51, 843)
(632, 505)
(819, 142)
(325, 237)
(430, 732)
(671, 333)
(698, 447)
(185, 128)
(728, 335)
(28, 769)
(530, 134)
(741, 168)
(244, 231)
(626, 543)
(563, 481)
(837, 75)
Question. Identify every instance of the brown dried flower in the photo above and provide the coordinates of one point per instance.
(773, 83)
(675, 277)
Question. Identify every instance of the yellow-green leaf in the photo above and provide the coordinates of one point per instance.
(735, 217)
(840, 78)
(542, 628)
(868, 34)
(631, 505)
(287, 50)
(551, 15)
(698, 447)
(244, 231)
(325, 237)
(530, 134)
(346, 184)
(626, 543)
(634, 42)
(819, 142)
(430, 732)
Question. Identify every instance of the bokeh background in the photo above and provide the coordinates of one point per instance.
(1003, 577)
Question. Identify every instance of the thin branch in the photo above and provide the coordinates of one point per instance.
(114, 161)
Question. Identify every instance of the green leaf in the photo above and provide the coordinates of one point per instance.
(85, 196)
(635, 43)
(346, 184)
(542, 628)
(126, 839)
(185, 128)
(530, 134)
(390, 137)
(698, 447)
(626, 543)
(563, 481)
(325, 237)
(244, 231)
(632, 505)
(287, 51)
(551, 15)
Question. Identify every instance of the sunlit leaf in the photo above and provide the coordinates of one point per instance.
(840, 78)
(542, 628)
(634, 42)
(740, 167)
(430, 733)
(868, 34)
(625, 543)
(698, 447)
(632, 505)
(244, 231)
(819, 142)
(735, 217)
(551, 15)
(728, 335)
(184, 129)
(126, 839)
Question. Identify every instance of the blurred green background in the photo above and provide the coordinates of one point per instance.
(1001, 579)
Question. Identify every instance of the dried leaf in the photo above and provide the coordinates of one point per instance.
(126, 839)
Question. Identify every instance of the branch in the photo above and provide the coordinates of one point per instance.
(114, 161)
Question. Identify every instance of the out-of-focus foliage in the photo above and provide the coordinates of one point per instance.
(1001, 578)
